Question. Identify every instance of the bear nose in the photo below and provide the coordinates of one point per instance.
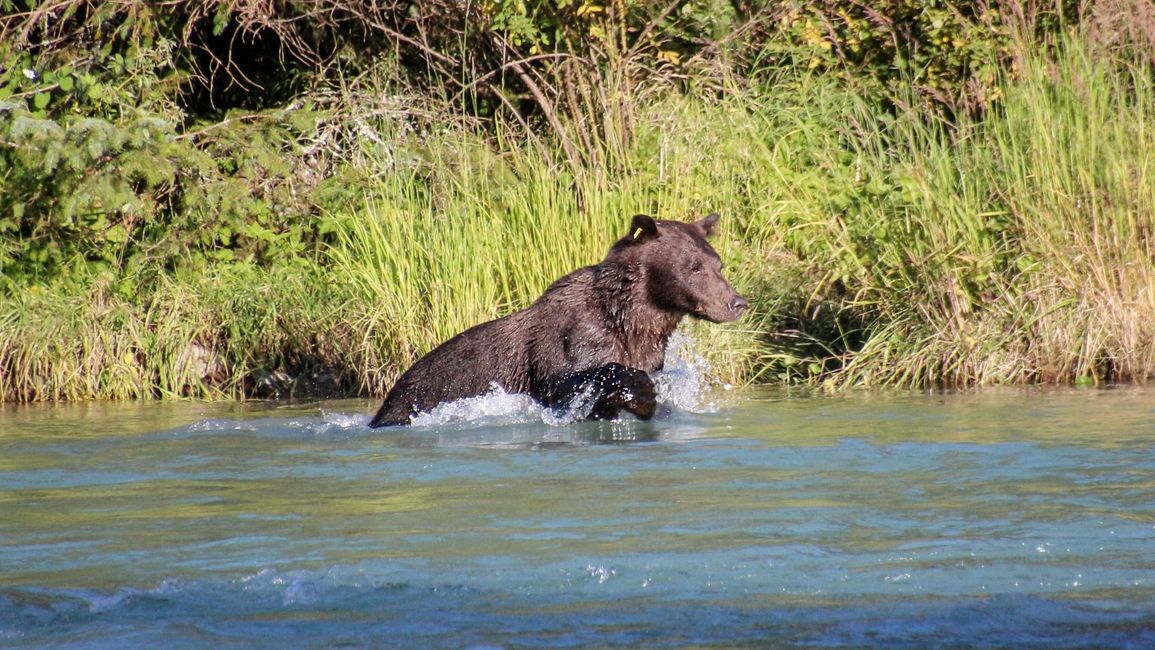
(739, 304)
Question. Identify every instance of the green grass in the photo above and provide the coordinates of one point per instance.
(1016, 248)
(478, 232)
(201, 336)
(877, 249)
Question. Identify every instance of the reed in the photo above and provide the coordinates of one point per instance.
(205, 335)
(480, 231)
(1012, 249)
(877, 247)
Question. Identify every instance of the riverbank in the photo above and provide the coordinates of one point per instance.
(882, 239)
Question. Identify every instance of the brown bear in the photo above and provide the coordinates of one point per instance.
(591, 340)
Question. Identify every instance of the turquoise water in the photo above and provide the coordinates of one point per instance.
(998, 519)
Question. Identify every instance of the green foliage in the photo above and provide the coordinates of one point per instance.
(1014, 248)
(102, 168)
(194, 196)
(950, 53)
(131, 193)
(659, 31)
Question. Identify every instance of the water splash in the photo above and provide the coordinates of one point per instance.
(218, 425)
(683, 385)
(684, 381)
(336, 420)
(496, 404)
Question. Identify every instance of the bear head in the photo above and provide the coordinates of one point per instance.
(682, 272)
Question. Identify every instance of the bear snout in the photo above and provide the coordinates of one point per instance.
(722, 310)
(739, 305)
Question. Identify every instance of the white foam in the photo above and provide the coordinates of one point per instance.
(682, 385)
(345, 420)
(496, 404)
(212, 425)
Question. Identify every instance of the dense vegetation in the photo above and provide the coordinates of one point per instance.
(248, 198)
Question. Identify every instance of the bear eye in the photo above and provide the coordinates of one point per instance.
(697, 268)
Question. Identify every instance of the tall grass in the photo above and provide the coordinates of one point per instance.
(204, 335)
(1078, 173)
(879, 249)
(480, 231)
(1016, 248)
(876, 247)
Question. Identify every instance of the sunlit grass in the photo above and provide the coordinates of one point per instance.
(876, 248)
(202, 336)
(1013, 249)
(478, 233)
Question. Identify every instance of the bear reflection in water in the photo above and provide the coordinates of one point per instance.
(592, 339)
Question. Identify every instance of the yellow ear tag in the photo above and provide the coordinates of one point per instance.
(637, 233)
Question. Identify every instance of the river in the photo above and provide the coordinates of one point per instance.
(1001, 518)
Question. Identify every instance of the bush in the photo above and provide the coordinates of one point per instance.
(131, 193)
(197, 176)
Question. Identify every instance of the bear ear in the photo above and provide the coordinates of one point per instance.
(642, 228)
(708, 224)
